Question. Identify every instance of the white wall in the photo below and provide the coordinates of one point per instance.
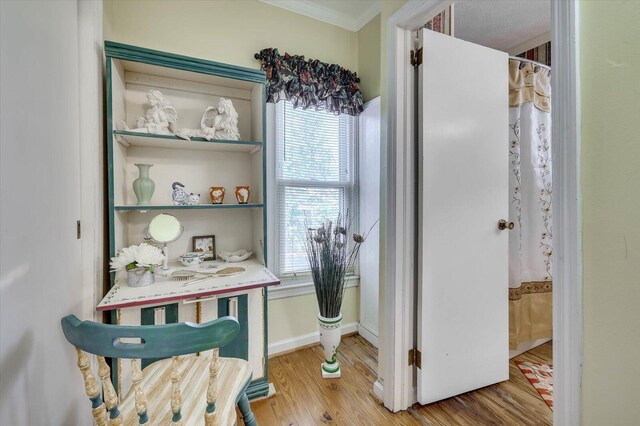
(40, 257)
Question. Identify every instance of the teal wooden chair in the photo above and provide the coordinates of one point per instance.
(210, 387)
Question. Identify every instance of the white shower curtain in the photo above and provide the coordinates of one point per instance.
(530, 280)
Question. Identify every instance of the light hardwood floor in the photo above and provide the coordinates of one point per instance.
(304, 398)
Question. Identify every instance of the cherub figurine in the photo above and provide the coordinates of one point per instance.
(219, 122)
(160, 118)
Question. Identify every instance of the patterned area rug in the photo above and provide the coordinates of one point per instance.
(541, 377)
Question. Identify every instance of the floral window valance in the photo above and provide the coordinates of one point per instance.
(309, 83)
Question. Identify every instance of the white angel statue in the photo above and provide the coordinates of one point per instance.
(219, 122)
(225, 124)
(160, 119)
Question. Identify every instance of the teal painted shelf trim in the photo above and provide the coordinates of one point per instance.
(171, 60)
(194, 141)
(198, 207)
(258, 388)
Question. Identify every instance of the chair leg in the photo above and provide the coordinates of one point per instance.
(245, 410)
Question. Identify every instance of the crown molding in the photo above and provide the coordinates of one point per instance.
(322, 13)
(371, 12)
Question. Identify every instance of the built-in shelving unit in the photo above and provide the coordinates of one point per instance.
(190, 85)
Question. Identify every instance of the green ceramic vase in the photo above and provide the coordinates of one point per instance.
(143, 187)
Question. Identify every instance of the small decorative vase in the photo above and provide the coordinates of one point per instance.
(143, 187)
(329, 341)
(140, 277)
(217, 194)
(242, 194)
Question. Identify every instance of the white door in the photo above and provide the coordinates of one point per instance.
(369, 192)
(463, 192)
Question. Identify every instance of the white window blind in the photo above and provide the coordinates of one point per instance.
(316, 173)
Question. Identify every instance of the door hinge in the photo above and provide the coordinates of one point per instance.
(78, 230)
(416, 57)
(415, 358)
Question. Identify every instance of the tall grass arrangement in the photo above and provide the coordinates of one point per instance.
(330, 258)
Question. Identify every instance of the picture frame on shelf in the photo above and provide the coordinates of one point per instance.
(205, 244)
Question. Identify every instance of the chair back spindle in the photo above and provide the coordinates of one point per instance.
(212, 388)
(91, 388)
(176, 398)
(110, 396)
(141, 398)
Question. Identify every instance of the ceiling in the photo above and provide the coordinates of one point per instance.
(509, 25)
(348, 14)
(503, 24)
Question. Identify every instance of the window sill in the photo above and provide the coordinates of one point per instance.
(302, 286)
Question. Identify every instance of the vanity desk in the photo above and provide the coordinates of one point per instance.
(167, 289)
(183, 151)
(168, 301)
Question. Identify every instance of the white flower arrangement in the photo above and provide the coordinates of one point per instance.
(132, 257)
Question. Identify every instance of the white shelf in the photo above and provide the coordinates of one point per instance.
(196, 207)
(128, 138)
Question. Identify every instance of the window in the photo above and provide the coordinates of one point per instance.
(315, 178)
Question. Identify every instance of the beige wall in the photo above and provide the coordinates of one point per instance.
(369, 59)
(231, 32)
(610, 67)
(296, 316)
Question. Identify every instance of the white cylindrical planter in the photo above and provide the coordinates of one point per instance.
(329, 341)
(140, 277)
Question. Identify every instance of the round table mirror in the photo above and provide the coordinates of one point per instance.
(164, 229)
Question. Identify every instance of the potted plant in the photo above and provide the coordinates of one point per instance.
(139, 262)
(331, 256)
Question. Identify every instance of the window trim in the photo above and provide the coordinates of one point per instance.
(293, 287)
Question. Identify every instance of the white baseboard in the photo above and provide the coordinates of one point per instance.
(368, 335)
(296, 342)
(527, 346)
(378, 390)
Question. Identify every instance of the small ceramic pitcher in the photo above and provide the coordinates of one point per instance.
(217, 194)
(242, 194)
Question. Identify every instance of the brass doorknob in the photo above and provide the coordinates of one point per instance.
(503, 224)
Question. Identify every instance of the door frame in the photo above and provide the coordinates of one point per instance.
(91, 128)
(396, 385)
